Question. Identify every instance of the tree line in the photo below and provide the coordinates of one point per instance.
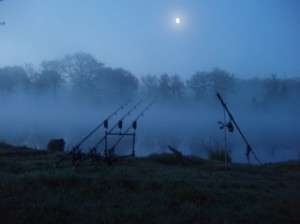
(80, 75)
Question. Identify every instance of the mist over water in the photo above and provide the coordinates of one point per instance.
(189, 126)
(194, 129)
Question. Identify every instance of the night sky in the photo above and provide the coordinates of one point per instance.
(246, 37)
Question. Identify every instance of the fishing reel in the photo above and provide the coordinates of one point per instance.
(248, 151)
(134, 125)
(120, 124)
(106, 124)
(229, 126)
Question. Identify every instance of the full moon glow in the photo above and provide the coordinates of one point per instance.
(178, 20)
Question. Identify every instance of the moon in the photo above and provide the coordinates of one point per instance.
(178, 20)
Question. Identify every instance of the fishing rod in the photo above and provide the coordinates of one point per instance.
(119, 123)
(2, 23)
(134, 125)
(249, 147)
(104, 122)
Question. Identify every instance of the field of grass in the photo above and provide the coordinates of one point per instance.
(156, 189)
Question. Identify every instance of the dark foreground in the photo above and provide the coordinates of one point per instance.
(158, 189)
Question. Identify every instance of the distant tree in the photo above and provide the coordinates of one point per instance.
(177, 87)
(73, 65)
(88, 77)
(30, 70)
(170, 87)
(208, 83)
(79, 70)
(13, 79)
(48, 81)
(199, 84)
(164, 86)
(116, 82)
(274, 89)
(150, 83)
(126, 82)
(221, 81)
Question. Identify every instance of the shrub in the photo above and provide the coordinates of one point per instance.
(56, 145)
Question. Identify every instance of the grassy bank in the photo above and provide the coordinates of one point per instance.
(156, 189)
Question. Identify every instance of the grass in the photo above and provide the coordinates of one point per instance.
(219, 155)
(155, 189)
(216, 151)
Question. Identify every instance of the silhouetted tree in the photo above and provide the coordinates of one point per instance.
(79, 70)
(90, 78)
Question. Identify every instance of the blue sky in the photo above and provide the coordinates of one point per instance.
(246, 37)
